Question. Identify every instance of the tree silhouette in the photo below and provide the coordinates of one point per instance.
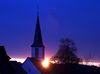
(66, 52)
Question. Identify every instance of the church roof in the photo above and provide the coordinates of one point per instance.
(38, 37)
(35, 62)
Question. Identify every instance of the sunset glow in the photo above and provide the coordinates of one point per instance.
(45, 63)
(18, 59)
(91, 63)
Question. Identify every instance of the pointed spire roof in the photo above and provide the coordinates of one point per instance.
(37, 37)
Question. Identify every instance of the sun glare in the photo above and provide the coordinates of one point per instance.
(45, 63)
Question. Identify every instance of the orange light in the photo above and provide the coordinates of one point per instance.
(45, 63)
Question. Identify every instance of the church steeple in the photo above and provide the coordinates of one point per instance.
(37, 46)
(38, 42)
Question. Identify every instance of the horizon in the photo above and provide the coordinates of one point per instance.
(89, 63)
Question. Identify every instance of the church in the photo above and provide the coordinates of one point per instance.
(32, 65)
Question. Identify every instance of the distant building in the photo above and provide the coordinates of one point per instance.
(38, 52)
(5, 65)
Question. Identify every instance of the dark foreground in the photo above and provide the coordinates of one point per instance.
(72, 69)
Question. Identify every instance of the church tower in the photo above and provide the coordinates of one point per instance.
(37, 46)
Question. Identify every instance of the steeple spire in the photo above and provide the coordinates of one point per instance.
(38, 37)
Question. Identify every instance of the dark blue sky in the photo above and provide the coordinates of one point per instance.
(76, 19)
